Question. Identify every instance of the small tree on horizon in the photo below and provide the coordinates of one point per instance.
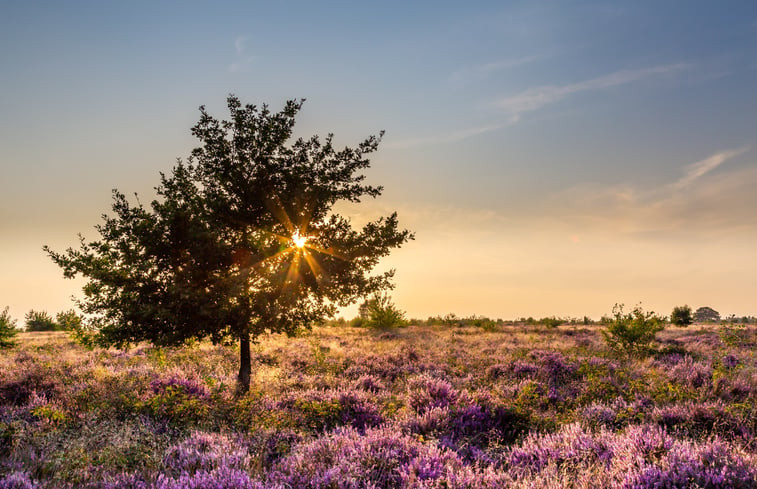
(681, 316)
(242, 239)
(706, 315)
(40, 321)
(8, 329)
(378, 311)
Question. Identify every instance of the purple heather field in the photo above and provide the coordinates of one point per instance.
(423, 406)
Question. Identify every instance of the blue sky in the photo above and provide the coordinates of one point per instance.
(553, 157)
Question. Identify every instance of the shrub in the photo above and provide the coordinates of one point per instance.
(551, 322)
(178, 400)
(631, 333)
(681, 316)
(380, 312)
(40, 321)
(68, 320)
(7, 329)
(317, 410)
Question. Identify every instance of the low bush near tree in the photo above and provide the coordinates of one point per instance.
(380, 312)
(630, 333)
(681, 316)
(40, 321)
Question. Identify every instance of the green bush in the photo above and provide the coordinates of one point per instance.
(40, 321)
(631, 333)
(7, 329)
(380, 312)
(681, 316)
(68, 320)
(551, 322)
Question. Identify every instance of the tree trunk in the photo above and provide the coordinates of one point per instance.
(245, 366)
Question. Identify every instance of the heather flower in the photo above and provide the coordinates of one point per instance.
(425, 392)
(220, 478)
(730, 361)
(278, 444)
(370, 383)
(554, 364)
(713, 464)
(17, 480)
(206, 451)
(498, 370)
(119, 481)
(598, 414)
(697, 419)
(319, 410)
(521, 368)
(571, 444)
(691, 373)
(188, 386)
(381, 458)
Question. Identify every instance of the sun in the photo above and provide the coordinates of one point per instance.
(299, 241)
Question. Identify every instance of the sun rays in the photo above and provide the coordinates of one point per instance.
(296, 245)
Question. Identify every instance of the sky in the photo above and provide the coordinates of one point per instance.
(552, 157)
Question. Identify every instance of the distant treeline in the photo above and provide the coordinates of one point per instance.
(485, 322)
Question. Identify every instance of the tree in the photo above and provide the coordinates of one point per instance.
(379, 311)
(681, 316)
(706, 315)
(241, 239)
(631, 333)
(68, 320)
(40, 321)
(7, 329)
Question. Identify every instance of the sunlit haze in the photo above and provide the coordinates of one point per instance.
(552, 158)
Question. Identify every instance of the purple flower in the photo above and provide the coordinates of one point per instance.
(188, 386)
(17, 480)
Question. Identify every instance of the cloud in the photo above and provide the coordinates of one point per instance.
(243, 60)
(700, 168)
(485, 70)
(537, 97)
(239, 44)
(451, 137)
(698, 202)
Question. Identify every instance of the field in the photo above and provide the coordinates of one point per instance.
(418, 407)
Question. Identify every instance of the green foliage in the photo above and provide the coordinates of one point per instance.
(49, 415)
(551, 322)
(68, 320)
(176, 406)
(380, 312)
(734, 335)
(453, 320)
(218, 253)
(40, 321)
(706, 315)
(7, 329)
(681, 316)
(631, 333)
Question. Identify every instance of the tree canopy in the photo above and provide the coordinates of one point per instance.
(242, 239)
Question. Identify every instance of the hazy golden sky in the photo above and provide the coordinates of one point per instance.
(553, 158)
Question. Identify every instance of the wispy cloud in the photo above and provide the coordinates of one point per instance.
(696, 202)
(537, 97)
(243, 60)
(451, 137)
(700, 168)
(482, 71)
